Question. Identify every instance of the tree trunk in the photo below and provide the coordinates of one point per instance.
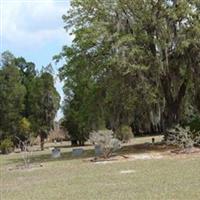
(21, 146)
(42, 142)
(81, 143)
(173, 105)
(74, 143)
(172, 115)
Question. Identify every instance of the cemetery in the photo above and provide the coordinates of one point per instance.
(100, 100)
(136, 171)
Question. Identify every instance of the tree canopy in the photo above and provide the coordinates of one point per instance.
(131, 62)
(28, 99)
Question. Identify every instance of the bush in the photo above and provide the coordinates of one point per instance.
(180, 136)
(106, 141)
(6, 146)
(124, 133)
(194, 124)
(196, 138)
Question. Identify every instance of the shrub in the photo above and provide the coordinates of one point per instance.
(194, 124)
(124, 133)
(180, 136)
(196, 138)
(6, 146)
(106, 141)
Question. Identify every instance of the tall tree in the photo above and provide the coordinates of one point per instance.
(28, 100)
(28, 73)
(44, 104)
(11, 98)
(141, 54)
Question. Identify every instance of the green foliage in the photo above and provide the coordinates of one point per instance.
(194, 124)
(6, 146)
(72, 127)
(124, 133)
(7, 59)
(28, 101)
(11, 100)
(131, 62)
(196, 138)
(24, 126)
(44, 104)
(28, 74)
(16, 77)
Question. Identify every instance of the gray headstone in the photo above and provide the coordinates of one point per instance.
(77, 152)
(98, 151)
(55, 153)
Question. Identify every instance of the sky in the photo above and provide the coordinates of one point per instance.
(34, 30)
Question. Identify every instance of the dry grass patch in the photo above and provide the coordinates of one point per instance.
(68, 178)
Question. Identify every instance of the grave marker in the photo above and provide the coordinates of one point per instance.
(77, 152)
(55, 153)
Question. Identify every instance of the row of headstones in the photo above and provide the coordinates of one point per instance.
(56, 153)
(79, 151)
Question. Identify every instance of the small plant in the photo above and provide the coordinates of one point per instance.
(106, 141)
(6, 146)
(26, 153)
(124, 133)
(180, 136)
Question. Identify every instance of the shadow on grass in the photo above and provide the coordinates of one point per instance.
(144, 148)
(125, 150)
(66, 146)
(46, 157)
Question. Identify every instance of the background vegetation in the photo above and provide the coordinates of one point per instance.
(28, 101)
(132, 63)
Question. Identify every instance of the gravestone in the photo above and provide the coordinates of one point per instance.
(77, 152)
(55, 153)
(98, 150)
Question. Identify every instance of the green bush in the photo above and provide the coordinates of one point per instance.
(6, 146)
(194, 124)
(124, 133)
(196, 138)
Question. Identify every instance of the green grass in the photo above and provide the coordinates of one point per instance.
(77, 179)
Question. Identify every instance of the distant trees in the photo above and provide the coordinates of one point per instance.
(131, 63)
(11, 99)
(28, 100)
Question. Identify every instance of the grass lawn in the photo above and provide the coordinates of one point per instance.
(169, 178)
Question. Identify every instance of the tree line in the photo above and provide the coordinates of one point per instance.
(131, 63)
(28, 101)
